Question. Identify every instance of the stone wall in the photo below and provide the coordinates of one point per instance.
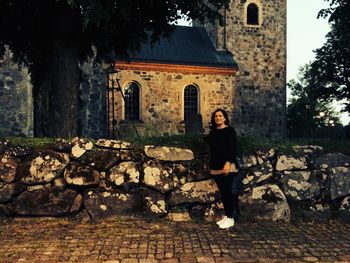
(110, 178)
(162, 103)
(260, 52)
(16, 103)
(92, 118)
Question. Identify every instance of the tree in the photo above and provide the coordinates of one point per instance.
(52, 37)
(332, 64)
(307, 114)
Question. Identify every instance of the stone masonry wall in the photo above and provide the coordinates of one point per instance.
(16, 104)
(260, 51)
(92, 118)
(162, 98)
(109, 178)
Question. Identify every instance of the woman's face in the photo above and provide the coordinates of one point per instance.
(219, 118)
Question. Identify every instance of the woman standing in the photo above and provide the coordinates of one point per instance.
(222, 140)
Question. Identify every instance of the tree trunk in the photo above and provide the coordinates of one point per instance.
(56, 100)
(56, 76)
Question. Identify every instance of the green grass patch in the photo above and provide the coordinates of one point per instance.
(246, 145)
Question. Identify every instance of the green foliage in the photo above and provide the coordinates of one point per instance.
(332, 64)
(307, 114)
(52, 36)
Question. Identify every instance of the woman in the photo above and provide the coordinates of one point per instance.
(222, 140)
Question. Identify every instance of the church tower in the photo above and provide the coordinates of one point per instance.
(254, 31)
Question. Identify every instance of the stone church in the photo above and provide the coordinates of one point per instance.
(173, 86)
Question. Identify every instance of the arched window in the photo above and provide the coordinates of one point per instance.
(132, 101)
(191, 101)
(252, 14)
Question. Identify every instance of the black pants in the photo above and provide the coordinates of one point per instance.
(229, 199)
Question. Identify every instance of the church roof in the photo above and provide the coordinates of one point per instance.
(185, 46)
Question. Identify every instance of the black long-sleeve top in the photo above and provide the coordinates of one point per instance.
(223, 147)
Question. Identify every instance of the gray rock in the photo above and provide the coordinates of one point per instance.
(105, 203)
(113, 144)
(183, 216)
(339, 182)
(155, 203)
(81, 175)
(4, 145)
(285, 163)
(266, 202)
(125, 172)
(171, 154)
(19, 151)
(300, 186)
(309, 150)
(257, 174)
(45, 167)
(331, 160)
(80, 146)
(193, 192)
(344, 209)
(103, 160)
(158, 177)
(8, 168)
(45, 201)
(8, 191)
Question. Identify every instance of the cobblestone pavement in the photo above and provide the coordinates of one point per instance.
(135, 240)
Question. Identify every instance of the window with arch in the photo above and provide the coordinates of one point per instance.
(252, 14)
(132, 102)
(191, 99)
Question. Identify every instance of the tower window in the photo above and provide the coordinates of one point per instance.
(132, 102)
(252, 14)
(190, 100)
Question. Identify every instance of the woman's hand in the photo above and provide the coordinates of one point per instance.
(226, 168)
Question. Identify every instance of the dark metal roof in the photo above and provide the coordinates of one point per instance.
(185, 46)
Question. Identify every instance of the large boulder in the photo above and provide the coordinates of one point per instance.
(339, 182)
(171, 154)
(113, 144)
(107, 202)
(103, 160)
(155, 203)
(158, 176)
(46, 201)
(300, 186)
(195, 192)
(125, 172)
(257, 174)
(331, 160)
(345, 209)
(80, 146)
(8, 191)
(8, 168)
(285, 163)
(265, 202)
(81, 175)
(44, 167)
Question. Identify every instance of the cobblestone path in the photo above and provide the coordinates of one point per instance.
(133, 240)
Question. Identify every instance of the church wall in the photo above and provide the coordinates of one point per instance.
(162, 105)
(16, 104)
(260, 52)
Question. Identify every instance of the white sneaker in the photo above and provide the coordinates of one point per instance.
(227, 223)
(221, 220)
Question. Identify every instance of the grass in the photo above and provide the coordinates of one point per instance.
(195, 142)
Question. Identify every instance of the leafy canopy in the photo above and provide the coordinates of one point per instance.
(32, 27)
(331, 67)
